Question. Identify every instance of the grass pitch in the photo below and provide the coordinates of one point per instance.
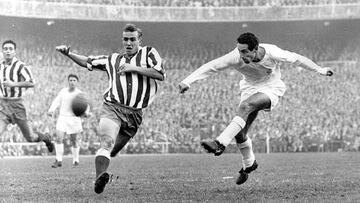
(281, 177)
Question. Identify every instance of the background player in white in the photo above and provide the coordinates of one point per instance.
(260, 88)
(67, 123)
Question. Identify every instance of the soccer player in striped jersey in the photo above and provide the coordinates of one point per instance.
(261, 88)
(132, 87)
(15, 78)
(67, 123)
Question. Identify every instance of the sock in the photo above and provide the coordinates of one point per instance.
(247, 152)
(59, 151)
(75, 152)
(231, 131)
(102, 161)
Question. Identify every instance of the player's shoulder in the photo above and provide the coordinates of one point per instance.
(268, 46)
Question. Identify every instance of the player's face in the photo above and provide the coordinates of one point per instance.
(131, 42)
(72, 82)
(8, 51)
(246, 55)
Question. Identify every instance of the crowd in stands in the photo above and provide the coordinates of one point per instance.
(316, 113)
(204, 3)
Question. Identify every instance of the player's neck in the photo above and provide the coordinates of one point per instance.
(71, 89)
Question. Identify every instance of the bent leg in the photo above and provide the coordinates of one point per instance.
(26, 131)
(121, 141)
(108, 130)
(254, 103)
(3, 125)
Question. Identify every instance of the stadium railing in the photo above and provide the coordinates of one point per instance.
(177, 14)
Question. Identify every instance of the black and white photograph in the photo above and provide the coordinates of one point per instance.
(180, 101)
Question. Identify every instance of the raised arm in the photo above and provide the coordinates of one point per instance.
(210, 68)
(297, 59)
(77, 58)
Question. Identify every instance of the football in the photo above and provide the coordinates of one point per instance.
(79, 104)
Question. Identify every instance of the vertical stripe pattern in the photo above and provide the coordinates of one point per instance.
(130, 89)
(15, 72)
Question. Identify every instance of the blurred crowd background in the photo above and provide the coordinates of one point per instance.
(316, 114)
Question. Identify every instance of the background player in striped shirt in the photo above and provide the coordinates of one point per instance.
(15, 78)
(132, 87)
(261, 88)
(67, 123)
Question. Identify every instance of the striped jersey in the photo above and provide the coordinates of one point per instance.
(17, 71)
(129, 89)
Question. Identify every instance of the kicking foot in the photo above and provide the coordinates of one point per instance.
(46, 139)
(56, 164)
(101, 181)
(213, 146)
(244, 173)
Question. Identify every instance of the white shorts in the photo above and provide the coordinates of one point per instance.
(69, 124)
(273, 90)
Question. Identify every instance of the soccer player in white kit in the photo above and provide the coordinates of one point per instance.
(261, 88)
(67, 123)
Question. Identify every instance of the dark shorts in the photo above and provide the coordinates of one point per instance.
(12, 110)
(128, 118)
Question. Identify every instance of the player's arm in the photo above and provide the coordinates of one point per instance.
(210, 68)
(81, 60)
(155, 69)
(55, 104)
(299, 60)
(308, 64)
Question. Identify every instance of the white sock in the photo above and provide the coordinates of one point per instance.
(247, 152)
(75, 152)
(59, 151)
(103, 152)
(231, 131)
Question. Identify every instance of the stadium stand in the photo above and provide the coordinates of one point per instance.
(170, 124)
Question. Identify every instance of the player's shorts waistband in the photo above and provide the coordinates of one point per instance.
(11, 98)
(123, 106)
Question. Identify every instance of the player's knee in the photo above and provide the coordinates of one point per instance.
(241, 137)
(246, 108)
(106, 142)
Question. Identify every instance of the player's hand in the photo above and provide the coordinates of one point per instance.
(124, 68)
(326, 71)
(183, 87)
(64, 49)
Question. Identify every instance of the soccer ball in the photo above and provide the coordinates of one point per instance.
(79, 104)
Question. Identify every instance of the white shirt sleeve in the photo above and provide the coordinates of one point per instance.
(281, 55)
(56, 102)
(212, 67)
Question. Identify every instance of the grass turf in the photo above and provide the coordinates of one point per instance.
(281, 177)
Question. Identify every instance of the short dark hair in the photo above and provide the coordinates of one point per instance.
(132, 28)
(9, 41)
(73, 76)
(250, 39)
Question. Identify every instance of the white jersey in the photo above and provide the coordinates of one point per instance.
(255, 73)
(63, 100)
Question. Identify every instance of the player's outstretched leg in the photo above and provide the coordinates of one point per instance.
(217, 146)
